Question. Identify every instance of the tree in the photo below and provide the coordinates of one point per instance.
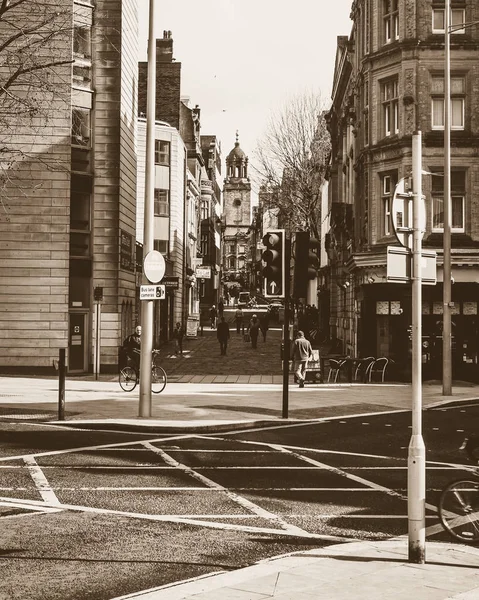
(35, 83)
(291, 161)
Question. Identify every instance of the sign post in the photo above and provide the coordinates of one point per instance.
(417, 450)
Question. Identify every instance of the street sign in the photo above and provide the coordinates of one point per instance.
(399, 265)
(203, 272)
(170, 282)
(152, 292)
(154, 266)
(401, 214)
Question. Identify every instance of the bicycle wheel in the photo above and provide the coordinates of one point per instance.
(128, 379)
(459, 510)
(158, 379)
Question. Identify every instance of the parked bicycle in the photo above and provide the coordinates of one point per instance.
(459, 501)
(129, 376)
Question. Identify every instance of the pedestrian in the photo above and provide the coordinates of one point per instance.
(178, 335)
(132, 347)
(213, 315)
(227, 298)
(264, 325)
(223, 335)
(302, 352)
(239, 318)
(253, 330)
(221, 307)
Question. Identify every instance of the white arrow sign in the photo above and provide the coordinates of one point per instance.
(273, 286)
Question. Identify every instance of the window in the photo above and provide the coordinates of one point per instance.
(390, 20)
(458, 195)
(388, 184)
(162, 203)
(232, 248)
(232, 262)
(366, 113)
(81, 127)
(205, 209)
(82, 40)
(161, 246)
(458, 94)
(390, 107)
(162, 153)
(457, 19)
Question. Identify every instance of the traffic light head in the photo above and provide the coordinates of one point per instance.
(272, 260)
(306, 262)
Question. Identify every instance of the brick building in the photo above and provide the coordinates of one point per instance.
(71, 204)
(389, 82)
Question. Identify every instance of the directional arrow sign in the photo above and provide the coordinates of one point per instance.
(272, 287)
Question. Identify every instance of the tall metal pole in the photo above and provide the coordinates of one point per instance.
(417, 450)
(286, 351)
(446, 284)
(148, 236)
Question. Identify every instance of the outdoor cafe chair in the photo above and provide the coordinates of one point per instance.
(334, 369)
(362, 368)
(378, 367)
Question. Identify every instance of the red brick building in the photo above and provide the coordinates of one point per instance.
(388, 83)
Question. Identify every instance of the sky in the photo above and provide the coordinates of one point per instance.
(242, 60)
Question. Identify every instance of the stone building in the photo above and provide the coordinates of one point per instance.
(237, 216)
(209, 251)
(71, 201)
(388, 83)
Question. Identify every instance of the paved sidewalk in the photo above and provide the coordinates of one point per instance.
(356, 571)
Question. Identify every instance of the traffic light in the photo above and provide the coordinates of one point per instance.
(272, 260)
(306, 262)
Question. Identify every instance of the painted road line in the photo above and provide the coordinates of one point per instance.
(297, 533)
(243, 502)
(96, 447)
(40, 481)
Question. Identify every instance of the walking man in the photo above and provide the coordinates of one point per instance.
(213, 315)
(264, 325)
(223, 335)
(239, 318)
(253, 330)
(178, 334)
(302, 352)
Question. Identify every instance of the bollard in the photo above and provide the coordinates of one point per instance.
(61, 385)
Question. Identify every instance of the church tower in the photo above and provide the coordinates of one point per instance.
(236, 214)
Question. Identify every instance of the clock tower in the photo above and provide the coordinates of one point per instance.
(236, 215)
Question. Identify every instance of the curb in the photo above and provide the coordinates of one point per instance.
(175, 427)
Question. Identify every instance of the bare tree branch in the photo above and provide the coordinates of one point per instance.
(292, 157)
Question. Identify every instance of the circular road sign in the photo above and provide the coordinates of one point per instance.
(154, 266)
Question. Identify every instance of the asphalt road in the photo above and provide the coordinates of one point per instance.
(93, 515)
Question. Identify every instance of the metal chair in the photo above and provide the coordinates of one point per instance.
(378, 366)
(334, 369)
(362, 368)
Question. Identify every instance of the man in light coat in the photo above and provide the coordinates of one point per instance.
(302, 352)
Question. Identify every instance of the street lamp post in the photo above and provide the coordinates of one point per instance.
(446, 284)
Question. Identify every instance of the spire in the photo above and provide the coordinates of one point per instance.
(237, 137)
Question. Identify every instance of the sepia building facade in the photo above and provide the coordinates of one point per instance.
(389, 83)
(70, 222)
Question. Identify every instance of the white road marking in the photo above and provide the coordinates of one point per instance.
(40, 481)
(296, 532)
(96, 447)
(243, 502)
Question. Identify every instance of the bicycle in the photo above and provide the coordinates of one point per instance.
(458, 506)
(129, 377)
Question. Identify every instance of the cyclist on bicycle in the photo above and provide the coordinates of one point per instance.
(132, 345)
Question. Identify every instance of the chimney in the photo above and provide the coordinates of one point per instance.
(164, 48)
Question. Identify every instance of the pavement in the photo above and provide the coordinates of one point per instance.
(210, 392)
